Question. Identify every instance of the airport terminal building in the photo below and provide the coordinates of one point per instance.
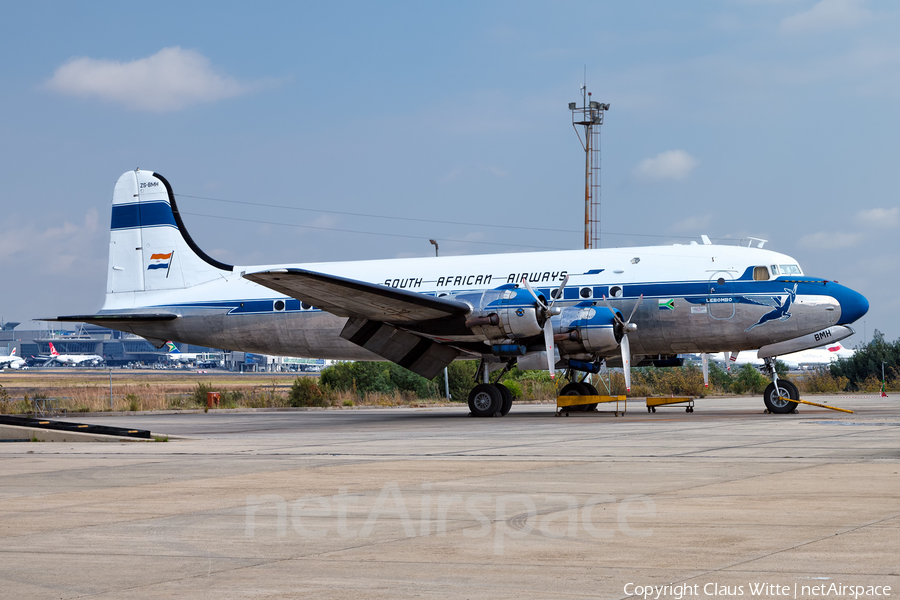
(124, 349)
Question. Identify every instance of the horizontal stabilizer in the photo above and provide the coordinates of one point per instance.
(352, 298)
(420, 355)
(115, 318)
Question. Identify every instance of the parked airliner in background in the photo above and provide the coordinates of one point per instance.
(73, 359)
(11, 361)
(177, 355)
(806, 359)
(543, 310)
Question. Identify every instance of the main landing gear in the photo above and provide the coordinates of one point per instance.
(780, 392)
(490, 399)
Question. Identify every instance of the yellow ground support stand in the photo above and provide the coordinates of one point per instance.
(652, 403)
(567, 401)
(846, 410)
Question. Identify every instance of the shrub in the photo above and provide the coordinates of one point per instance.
(133, 402)
(515, 388)
(821, 381)
(748, 380)
(379, 377)
(305, 391)
(198, 396)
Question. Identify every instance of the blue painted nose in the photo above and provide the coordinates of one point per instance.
(853, 304)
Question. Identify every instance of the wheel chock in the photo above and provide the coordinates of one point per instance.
(817, 404)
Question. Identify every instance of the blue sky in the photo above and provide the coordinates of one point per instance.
(772, 119)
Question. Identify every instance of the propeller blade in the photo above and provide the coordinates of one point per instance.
(730, 360)
(614, 313)
(559, 292)
(634, 310)
(536, 297)
(548, 341)
(626, 361)
(705, 359)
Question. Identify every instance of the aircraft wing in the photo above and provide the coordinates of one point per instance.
(378, 316)
(352, 298)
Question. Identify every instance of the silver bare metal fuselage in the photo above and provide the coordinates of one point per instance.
(696, 323)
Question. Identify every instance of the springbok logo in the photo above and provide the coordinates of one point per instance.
(781, 312)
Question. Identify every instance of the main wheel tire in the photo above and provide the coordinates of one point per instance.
(786, 389)
(593, 391)
(485, 400)
(506, 404)
(575, 389)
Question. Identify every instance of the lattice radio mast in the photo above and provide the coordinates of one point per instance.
(590, 116)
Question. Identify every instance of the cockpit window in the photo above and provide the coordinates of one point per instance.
(775, 270)
(760, 274)
(790, 270)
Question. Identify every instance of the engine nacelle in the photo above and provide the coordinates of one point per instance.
(587, 330)
(502, 314)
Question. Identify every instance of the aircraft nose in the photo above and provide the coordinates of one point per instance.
(853, 306)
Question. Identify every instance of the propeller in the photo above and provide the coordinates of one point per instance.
(548, 311)
(624, 344)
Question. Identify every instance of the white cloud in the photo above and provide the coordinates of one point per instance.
(674, 164)
(830, 240)
(171, 79)
(827, 15)
(883, 218)
(53, 250)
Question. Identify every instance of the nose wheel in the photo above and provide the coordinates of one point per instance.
(779, 393)
(778, 398)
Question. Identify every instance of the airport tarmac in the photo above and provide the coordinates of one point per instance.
(427, 503)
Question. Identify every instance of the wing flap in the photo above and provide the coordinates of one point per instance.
(420, 355)
(353, 298)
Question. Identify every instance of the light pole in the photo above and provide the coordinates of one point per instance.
(446, 374)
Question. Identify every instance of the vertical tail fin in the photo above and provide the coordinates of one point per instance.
(53, 351)
(149, 246)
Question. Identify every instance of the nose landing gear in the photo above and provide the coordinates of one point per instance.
(780, 392)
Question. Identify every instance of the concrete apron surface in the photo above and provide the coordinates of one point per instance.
(428, 503)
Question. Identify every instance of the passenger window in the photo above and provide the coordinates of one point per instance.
(760, 274)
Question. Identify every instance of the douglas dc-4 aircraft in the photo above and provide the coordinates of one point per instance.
(542, 310)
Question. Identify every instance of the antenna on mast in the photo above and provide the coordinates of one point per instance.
(590, 117)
